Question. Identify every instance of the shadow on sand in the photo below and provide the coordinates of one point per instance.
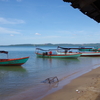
(98, 97)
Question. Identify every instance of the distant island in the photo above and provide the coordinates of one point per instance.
(50, 44)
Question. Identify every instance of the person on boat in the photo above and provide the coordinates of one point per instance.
(50, 52)
(65, 51)
(46, 53)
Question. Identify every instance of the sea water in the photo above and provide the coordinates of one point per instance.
(15, 79)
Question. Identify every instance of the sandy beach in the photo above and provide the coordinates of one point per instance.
(85, 87)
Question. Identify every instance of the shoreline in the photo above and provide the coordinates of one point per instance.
(81, 87)
(85, 87)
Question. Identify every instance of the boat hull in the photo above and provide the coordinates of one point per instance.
(59, 55)
(13, 62)
(91, 54)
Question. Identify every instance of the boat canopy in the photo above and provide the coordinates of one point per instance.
(68, 48)
(45, 50)
(6, 52)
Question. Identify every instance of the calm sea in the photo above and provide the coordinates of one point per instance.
(32, 74)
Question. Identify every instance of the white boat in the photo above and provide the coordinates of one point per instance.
(90, 54)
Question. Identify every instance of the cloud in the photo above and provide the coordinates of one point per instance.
(11, 35)
(10, 21)
(7, 31)
(37, 34)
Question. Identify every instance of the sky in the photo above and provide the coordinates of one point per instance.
(45, 21)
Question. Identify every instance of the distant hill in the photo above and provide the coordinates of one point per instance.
(49, 44)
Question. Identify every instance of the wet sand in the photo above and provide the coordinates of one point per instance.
(85, 87)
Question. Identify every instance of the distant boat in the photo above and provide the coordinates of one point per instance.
(12, 62)
(49, 54)
(89, 49)
(85, 49)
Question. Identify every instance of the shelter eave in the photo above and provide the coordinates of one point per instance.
(91, 8)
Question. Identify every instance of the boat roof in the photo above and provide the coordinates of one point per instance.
(68, 48)
(65, 48)
(91, 8)
(6, 52)
(45, 50)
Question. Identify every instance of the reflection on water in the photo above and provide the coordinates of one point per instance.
(12, 68)
(7, 70)
(11, 78)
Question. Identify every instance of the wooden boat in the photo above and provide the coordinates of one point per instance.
(47, 54)
(12, 62)
(86, 53)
